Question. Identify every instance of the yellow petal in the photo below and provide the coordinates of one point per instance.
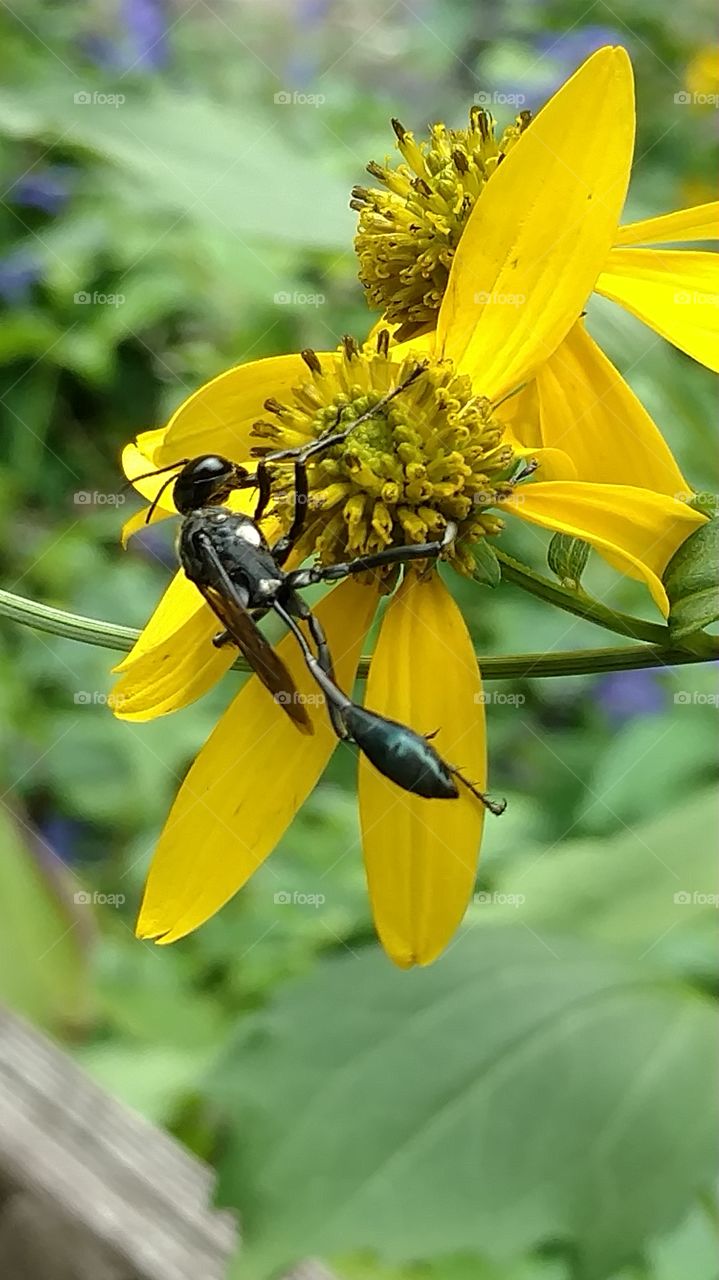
(219, 417)
(178, 603)
(699, 223)
(635, 530)
(135, 462)
(587, 409)
(140, 521)
(541, 230)
(245, 786)
(421, 855)
(520, 415)
(174, 661)
(675, 292)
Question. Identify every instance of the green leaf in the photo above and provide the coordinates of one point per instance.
(43, 959)
(486, 565)
(650, 890)
(692, 582)
(413, 1113)
(567, 558)
(189, 154)
(667, 755)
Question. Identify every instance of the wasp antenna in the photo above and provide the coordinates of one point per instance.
(158, 471)
(158, 495)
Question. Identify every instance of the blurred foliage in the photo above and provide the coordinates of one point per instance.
(534, 1107)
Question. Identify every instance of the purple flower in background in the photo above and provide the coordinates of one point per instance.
(145, 22)
(141, 43)
(19, 271)
(552, 57)
(60, 837)
(312, 11)
(568, 49)
(624, 695)
(46, 189)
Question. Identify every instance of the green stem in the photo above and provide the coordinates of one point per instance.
(74, 626)
(579, 603)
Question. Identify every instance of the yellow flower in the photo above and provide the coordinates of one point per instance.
(441, 449)
(440, 220)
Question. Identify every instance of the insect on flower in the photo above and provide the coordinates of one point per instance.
(241, 577)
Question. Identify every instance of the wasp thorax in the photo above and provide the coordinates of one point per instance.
(432, 453)
(408, 232)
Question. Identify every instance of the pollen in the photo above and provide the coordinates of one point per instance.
(409, 230)
(425, 451)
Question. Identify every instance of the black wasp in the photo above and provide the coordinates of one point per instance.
(241, 577)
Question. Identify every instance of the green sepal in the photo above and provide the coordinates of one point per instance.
(487, 569)
(692, 582)
(567, 557)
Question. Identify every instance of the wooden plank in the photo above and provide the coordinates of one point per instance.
(86, 1183)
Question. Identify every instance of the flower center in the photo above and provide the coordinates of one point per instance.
(408, 233)
(425, 450)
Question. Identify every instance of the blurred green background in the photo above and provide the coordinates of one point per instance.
(536, 1106)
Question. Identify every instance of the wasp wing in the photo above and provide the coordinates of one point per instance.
(226, 603)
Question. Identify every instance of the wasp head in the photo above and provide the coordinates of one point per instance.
(206, 481)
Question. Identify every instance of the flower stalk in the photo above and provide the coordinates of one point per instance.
(570, 662)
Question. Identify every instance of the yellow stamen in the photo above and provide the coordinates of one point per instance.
(408, 233)
(430, 454)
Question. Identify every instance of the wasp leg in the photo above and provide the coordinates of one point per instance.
(319, 666)
(496, 807)
(393, 555)
(285, 544)
(303, 452)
